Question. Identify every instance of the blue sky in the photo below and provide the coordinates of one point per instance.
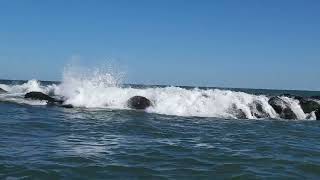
(239, 43)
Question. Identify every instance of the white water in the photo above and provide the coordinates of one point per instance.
(103, 90)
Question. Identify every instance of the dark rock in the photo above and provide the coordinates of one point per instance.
(59, 103)
(139, 102)
(51, 92)
(2, 91)
(237, 112)
(288, 114)
(299, 98)
(309, 116)
(282, 108)
(277, 104)
(68, 106)
(240, 114)
(257, 110)
(309, 105)
(50, 100)
(317, 112)
(287, 95)
(205, 95)
(39, 96)
(315, 97)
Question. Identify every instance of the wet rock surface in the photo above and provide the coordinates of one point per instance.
(139, 102)
(282, 108)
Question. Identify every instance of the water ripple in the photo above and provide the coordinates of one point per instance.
(53, 143)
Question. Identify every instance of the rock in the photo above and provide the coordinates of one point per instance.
(277, 104)
(237, 112)
(315, 97)
(68, 106)
(51, 92)
(50, 100)
(2, 91)
(309, 116)
(205, 95)
(309, 105)
(139, 102)
(39, 96)
(317, 112)
(299, 98)
(257, 110)
(282, 108)
(240, 114)
(59, 103)
(288, 114)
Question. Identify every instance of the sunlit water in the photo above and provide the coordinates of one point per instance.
(51, 143)
(89, 142)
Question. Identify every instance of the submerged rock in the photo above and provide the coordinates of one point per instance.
(299, 98)
(2, 91)
(68, 106)
(59, 103)
(50, 100)
(309, 106)
(282, 108)
(317, 112)
(39, 96)
(315, 97)
(237, 112)
(139, 102)
(256, 108)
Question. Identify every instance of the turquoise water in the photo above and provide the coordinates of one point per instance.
(40, 142)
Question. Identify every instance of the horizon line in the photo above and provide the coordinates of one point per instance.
(182, 86)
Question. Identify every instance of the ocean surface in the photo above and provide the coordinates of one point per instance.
(188, 133)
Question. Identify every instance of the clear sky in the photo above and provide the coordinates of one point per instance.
(239, 43)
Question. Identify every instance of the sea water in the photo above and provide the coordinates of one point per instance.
(187, 133)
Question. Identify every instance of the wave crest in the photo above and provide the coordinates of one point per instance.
(102, 89)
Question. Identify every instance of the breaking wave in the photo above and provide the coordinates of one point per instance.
(102, 89)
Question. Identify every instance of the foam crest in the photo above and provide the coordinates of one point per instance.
(88, 88)
(102, 89)
(31, 85)
(295, 107)
(204, 103)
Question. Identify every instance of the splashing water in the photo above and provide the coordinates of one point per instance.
(101, 88)
(86, 88)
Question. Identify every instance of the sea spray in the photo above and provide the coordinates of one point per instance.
(102, 88)
(31, 85)
(88, 87)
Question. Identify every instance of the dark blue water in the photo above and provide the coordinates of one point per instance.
(39, 142)
(46, 142)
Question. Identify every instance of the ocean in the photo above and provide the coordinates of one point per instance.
(187, 133)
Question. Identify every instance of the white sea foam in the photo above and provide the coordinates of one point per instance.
(31, 85)
(295, 107)
(100, 89)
